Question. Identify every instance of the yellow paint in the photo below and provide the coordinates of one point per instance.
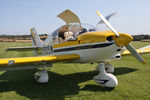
(33, 36)
(90, 37)
(123, 39)
(64, 44)
(98, 13)
(141, 51)
(30, 60)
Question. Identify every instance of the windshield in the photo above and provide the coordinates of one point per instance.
(70, 32)
(87, 28)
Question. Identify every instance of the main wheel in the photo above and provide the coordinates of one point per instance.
(41, 76)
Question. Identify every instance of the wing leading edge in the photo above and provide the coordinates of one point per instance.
(141, 51)
(32, 61)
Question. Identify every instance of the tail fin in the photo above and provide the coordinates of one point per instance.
(35, 38)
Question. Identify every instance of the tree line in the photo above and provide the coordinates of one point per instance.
(140, 37)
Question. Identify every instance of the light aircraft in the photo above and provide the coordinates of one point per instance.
(76, 43)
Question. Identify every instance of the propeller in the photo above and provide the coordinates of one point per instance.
(107, 18)
(130, 48)
(107, 23)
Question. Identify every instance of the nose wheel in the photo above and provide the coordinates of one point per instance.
(105, 79)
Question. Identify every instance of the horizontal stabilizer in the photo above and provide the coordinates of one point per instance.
(28, 48)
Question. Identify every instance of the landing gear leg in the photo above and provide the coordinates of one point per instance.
(109, 68)
(105, 79)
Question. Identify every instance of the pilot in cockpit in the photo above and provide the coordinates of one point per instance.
(66, 36)
(69, 36)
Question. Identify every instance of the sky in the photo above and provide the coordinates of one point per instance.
(18, 16)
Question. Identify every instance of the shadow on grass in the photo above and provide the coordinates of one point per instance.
(95, 88)
(58, 87)
(124, 70)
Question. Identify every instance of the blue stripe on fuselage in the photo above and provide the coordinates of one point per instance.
(83, 47)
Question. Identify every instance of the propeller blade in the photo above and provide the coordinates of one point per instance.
(107, 18)
(132, 50)
(107, 23)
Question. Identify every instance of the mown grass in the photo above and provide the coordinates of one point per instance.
(75, 81)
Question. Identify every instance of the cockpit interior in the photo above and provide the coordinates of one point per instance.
(71, 32)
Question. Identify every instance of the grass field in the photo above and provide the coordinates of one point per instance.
(75, 82)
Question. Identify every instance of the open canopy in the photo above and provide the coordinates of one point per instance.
(69, 17)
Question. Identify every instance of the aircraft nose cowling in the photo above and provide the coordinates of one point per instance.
(123, 39)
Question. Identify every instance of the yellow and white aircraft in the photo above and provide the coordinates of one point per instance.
(76, 43)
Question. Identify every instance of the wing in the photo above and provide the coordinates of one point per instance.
(33, 62)
(141, 50)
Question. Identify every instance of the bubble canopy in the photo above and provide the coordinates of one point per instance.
(64, 32)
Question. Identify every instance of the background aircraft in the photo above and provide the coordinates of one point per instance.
(76, 43)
